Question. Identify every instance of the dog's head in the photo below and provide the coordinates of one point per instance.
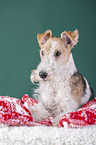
(54, 53)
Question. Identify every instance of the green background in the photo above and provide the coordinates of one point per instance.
(21, 20)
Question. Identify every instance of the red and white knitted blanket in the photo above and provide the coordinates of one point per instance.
(14, 112)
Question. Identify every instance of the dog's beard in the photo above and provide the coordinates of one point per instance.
(36, 78)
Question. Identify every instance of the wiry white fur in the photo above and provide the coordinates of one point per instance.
(54, 94)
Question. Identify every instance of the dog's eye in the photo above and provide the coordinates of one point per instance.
(42, 52)
(57, 53)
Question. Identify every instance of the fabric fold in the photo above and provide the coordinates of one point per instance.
(15, 112)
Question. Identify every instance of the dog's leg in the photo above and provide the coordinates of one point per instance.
(56, 119)
(38, 111)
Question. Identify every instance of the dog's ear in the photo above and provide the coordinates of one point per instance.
(42, 38)
(70, 38)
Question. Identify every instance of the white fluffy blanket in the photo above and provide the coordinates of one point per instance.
(42, 135)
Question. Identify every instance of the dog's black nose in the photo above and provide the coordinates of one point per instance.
(43, 75)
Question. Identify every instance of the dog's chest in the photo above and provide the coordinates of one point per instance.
(54, 95)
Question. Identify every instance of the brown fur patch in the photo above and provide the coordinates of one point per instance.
(70, 38)
(77, 86)
(50, 45)
(43, 37)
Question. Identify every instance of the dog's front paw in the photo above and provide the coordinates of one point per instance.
(38, 111)
(56, 120)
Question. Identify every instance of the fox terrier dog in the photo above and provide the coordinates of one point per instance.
(61, 87)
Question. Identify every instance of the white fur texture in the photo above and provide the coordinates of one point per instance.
(53, 92)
